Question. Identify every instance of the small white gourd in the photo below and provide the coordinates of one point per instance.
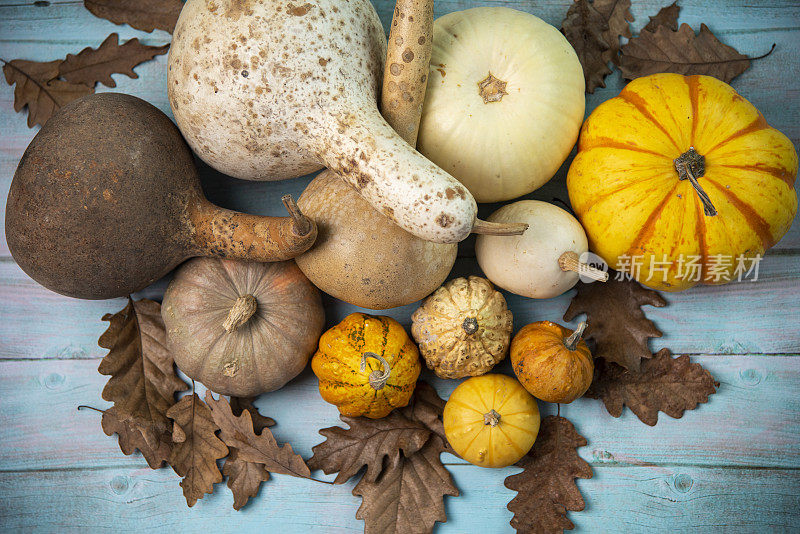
(541, 263)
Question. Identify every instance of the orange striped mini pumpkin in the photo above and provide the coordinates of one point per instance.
(366, 365)
(682, 179)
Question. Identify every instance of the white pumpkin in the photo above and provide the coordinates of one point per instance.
(504, 103)
(541, 263)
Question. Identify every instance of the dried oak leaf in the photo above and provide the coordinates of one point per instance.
(585, 29)
(131, 438)
(546, 488)
(237, 432)
(617, 14)
(260, 422)
(96, 65)
(245, 478)
(682, 52)
(143, 382)
(366, 443)
(426, 406)
(146, 15)
(409, 496)
(666, 384)
(667, 16)
(617, 323)
(38, 88)
(196, 447)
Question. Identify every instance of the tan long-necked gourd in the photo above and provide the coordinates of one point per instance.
(106, 200)
(267, 90)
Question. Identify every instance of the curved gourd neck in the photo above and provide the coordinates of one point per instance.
(356, 143)
(225, 233)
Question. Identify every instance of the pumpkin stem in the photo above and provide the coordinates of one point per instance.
(377, 379)
(495, 228)
(470, 325)
(569, 261)
(241, 311)
(491, 418)
(492, 89)
(690, 166)
(574, 338)
(302, 224)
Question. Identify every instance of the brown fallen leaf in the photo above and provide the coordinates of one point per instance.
(96, 65)
(146, 15)
(366, 443)
(38, 88)
(546, 488)
(196, 447)
(617, 14)
(238, 432)
(143, 382)
(682, 52)
(260, 422)
(408, 496)
(244, 478)
(426, 406)
(666, 384)
(131, 438)
(617, 323)
(585, 29)
(667, 16)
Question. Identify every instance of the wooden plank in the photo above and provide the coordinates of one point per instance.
(752, 421)
(37, 323)
(631, 500)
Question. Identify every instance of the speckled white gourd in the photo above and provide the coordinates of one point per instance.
(267, 90)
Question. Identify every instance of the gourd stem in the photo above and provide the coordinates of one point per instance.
(470, 325)
(495, 228)
(691, 165)
(377, 379)
(241, 311)
(708, 207)
(302, 224)
(569, 261)
(491, 418)
(571, 342)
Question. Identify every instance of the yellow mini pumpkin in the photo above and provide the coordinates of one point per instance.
(552, 362)
(491, 421)
(366, 365)
(679, 180)
(463, 328)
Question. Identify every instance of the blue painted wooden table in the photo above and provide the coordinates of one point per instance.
(733, 464)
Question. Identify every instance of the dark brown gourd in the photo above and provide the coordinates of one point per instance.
(106, 200)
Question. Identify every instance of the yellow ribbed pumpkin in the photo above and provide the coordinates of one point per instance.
(491, 421)
(631, 188)
(366, 365)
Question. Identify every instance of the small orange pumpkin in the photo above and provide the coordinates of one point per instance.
(552, 362)
(679, 180)
(366, 365)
